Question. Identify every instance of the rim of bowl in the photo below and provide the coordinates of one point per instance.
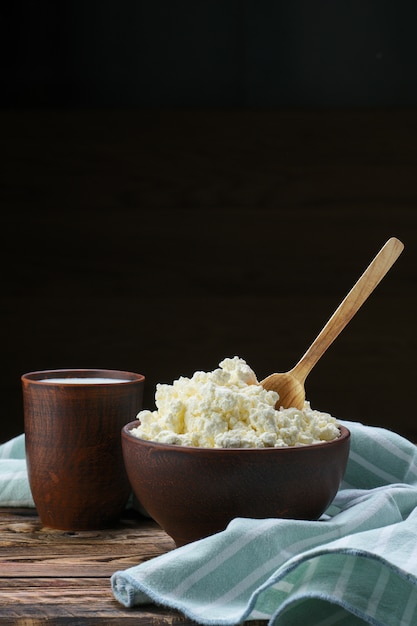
(344, 434)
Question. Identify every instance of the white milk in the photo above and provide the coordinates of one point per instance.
(85, 381)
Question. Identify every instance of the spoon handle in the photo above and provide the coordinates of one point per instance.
(362, 289)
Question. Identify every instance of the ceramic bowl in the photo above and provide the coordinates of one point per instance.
(195, 492)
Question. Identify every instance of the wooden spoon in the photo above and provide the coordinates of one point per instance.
(290, 385)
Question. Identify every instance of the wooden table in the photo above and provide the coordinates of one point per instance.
(56, 577)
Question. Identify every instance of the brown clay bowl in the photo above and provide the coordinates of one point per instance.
(195, 492)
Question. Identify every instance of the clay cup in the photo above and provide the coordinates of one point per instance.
(73, 419)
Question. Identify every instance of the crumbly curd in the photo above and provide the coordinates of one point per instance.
(228, 408)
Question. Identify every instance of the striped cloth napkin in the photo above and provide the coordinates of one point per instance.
(357, 564)
(14, 483)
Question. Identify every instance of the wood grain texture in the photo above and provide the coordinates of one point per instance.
(55, 577)
(50, 577)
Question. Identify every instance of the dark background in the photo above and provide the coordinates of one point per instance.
(185, 181)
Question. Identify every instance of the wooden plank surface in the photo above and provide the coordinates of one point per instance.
(56, 577)
(35, 550)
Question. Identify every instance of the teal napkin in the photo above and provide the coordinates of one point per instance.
(14, 483)
(357, 564)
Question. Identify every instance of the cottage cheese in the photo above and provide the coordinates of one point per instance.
(228, 408)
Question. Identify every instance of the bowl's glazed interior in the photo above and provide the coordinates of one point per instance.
(195, 492)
